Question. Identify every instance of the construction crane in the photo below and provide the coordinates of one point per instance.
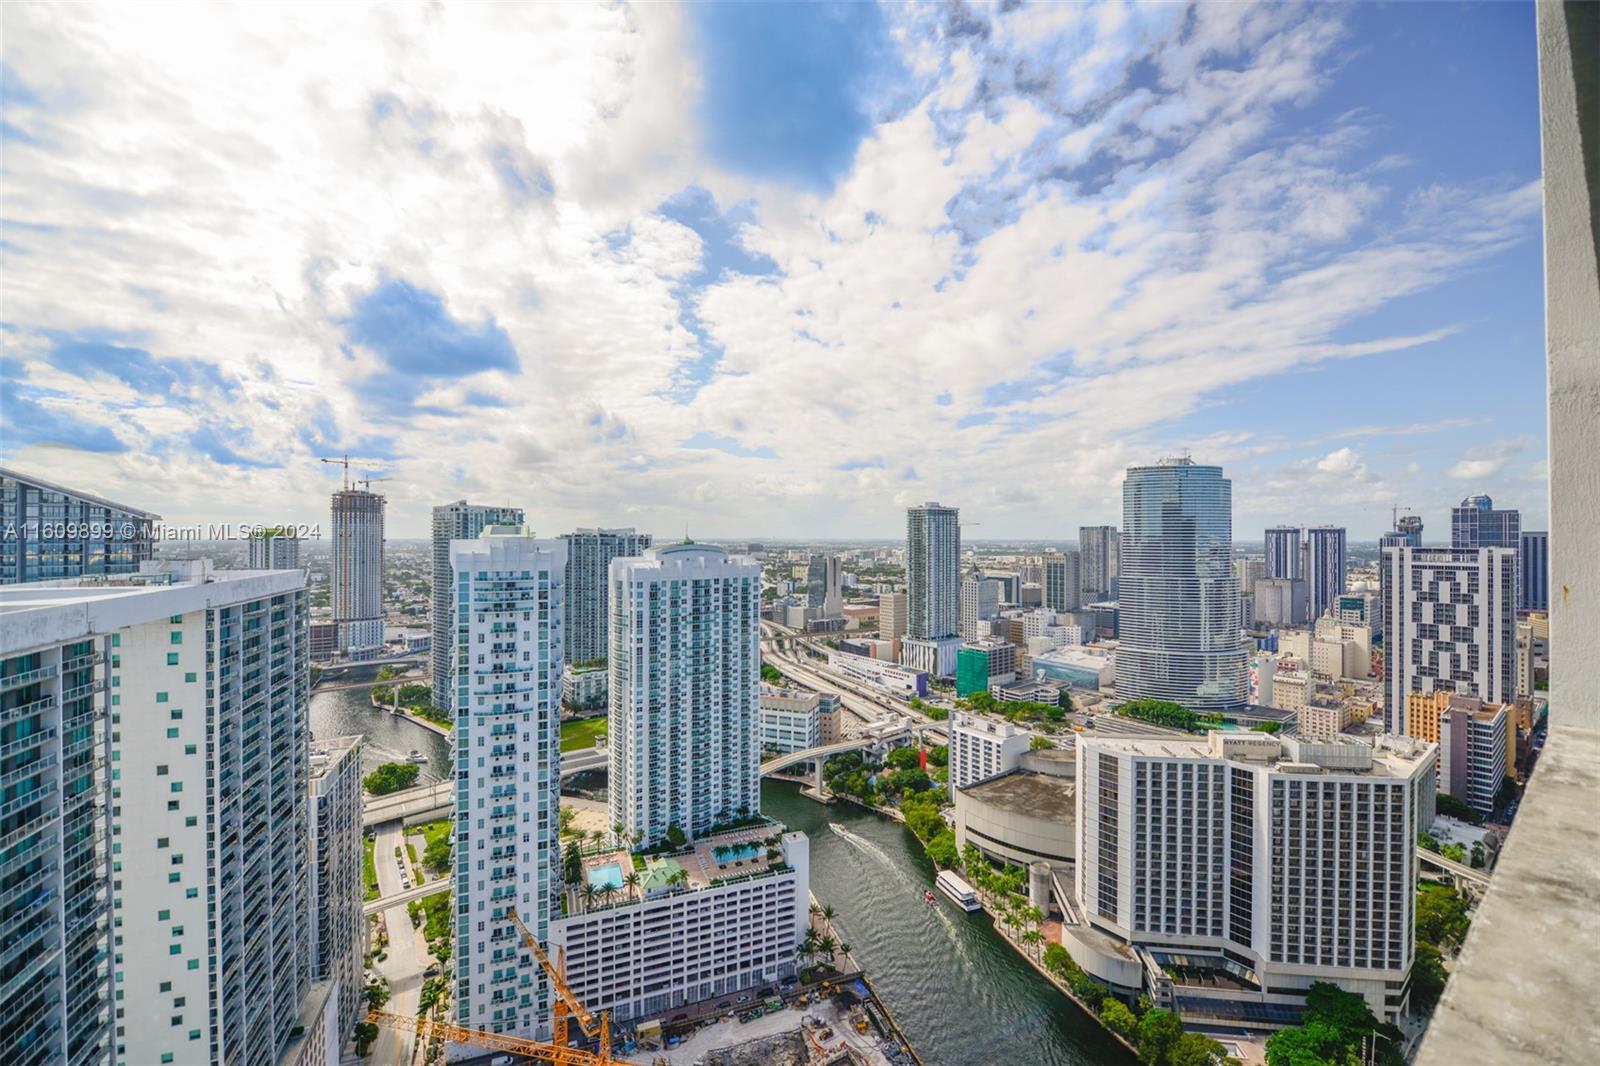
(367, 481)
(344, 461)
(566, 1004)
(537, 1050)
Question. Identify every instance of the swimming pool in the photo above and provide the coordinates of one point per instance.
(607, 876)
(736, 853)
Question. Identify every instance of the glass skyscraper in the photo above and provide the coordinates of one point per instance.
(1179, 613)
(933, 571)
(1477, 524)
(357, 591)
(1098, 547)
(48, 532)
(1325, 577)
(1283, 552)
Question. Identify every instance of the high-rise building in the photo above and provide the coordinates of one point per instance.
(892, 615)
(1063, 580)
(824, 586)
(337, 926)
(1179, 600)
(1279, 601)
(1325, 576)
(1101, 551)
(1534, 571)
(48, 532)
(980, 748)
(357, 585)
(1283, 552)
(1475, 523)
(685, 701)
(980, 602)
(982, 663)
(1477, 743)
(1279, 862)
(180, 716)
(274, 549)
(55, 912)
(589, 555)
(507, 602)
(1407, 533)
(1449, 619)
(933, 571)
(453, 521)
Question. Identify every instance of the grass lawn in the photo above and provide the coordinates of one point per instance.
(369, 868)
(579, 733)
(411, 853)
(433, 831)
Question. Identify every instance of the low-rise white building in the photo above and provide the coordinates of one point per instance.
(892, 678)
(983, 747)
(791, 719)
(717, 930)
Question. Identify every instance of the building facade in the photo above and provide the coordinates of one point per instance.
(1534, 571)
(982, 663)
(1178, 608)
(685, 669)
(1477, 523)
(589, 555)
(1326, 575)
(1450, 618)
(791, 719)
(48, 532)
(933, 572)
(980, 603)
(1279, 601)
(338, 930)
(357, 582)
(1270, 862)
(892, 615)
(1063, 580)
(507, 600)
(1100, 547)
(453, 521)
(1283, 552)
(983, 747)
(824, 586)
(273, 549)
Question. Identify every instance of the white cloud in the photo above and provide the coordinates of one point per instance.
(223, 183)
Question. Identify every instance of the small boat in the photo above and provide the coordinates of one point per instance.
(416, 756)
(927, 896)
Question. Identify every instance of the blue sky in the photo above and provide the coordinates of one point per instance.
(777, 269)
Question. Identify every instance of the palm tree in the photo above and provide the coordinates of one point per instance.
(632, 881)
(1033, 938)
(588, 892)
(596, 836)
(826, 945)
(616, 832)
(827, 915)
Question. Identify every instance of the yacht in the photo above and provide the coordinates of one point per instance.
(416, 757)
(958, 890)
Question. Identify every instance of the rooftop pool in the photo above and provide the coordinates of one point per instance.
(606, 876)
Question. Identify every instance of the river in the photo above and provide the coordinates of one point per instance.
(389, 738)
(959, 991)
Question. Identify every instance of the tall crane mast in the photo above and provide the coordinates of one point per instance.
(343, 462)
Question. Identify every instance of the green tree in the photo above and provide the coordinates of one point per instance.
(939, 755)
(1160, 712)
(907, 758)
(1159, 1033)
(436, 856)
(675, 837)
(770, 674)
(1118, 1018)
(1441, 917)
(1427, 977)
(1264, 727)
(1196, 1049)
(1454, 852)
(1460, 810)
(1313, 1044)
(942, 848)
(365, 1034)
(572, 863)
(1039, 744)
(391, 777)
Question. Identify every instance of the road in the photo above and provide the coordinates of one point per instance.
(405, 962)
(404, 896)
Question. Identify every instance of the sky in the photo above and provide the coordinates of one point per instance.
(773, 270)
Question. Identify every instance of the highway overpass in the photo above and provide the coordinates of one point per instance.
(432, 888)
(426, 802)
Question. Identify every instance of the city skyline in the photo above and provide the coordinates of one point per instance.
(637, 274)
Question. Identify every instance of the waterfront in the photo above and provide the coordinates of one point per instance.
(961, 993)
(389, 738)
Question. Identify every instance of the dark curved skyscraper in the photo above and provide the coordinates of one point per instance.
(1178, 611)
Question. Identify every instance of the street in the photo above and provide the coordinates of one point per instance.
(405, 961)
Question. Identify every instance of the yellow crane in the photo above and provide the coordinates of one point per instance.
(566, 1006)
(537, 1050)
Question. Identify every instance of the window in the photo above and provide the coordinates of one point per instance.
(177, 930)
(161, 842)
(191, 821)
(172, 805)
(166, 986)
(189, 749)
(161, 697)
(161, 770)
(191, 893)
(180, 1001)
(174, 949)
(172, 733)
(166, 1056)
(162, 916)
(176, 716)
(172, 658)
(194, 964)
(177, 786)
(177, 636)
(172, 878)
(189, 677)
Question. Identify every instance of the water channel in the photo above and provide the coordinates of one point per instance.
(962, 995)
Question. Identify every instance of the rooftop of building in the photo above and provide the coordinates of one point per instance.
(40, 482)
(754, 850)
(1386, 755)
(37, 613)
(1026, 792)
(327, 752)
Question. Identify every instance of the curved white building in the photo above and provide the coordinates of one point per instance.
(1179, 612)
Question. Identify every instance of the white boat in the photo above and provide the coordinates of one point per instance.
(958, 890)
(416, 756)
